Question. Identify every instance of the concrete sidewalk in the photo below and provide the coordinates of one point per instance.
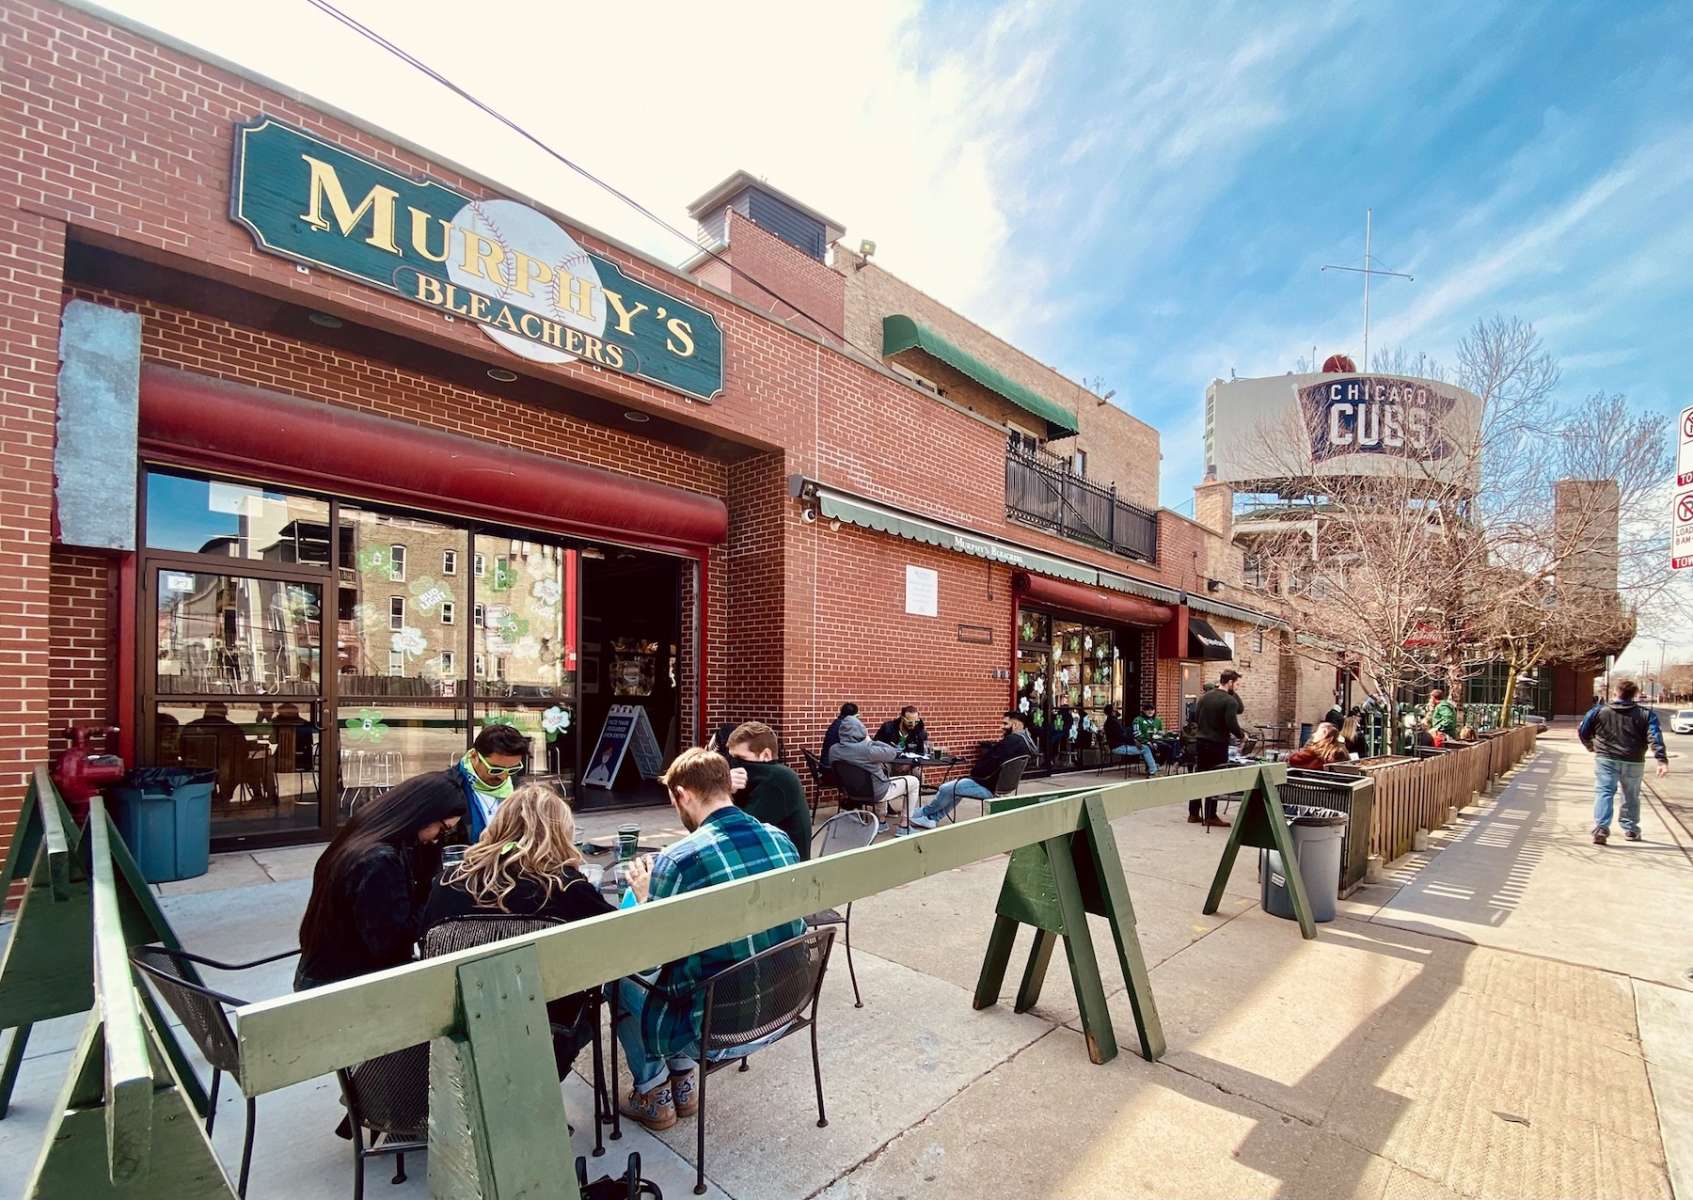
(1507, 1017)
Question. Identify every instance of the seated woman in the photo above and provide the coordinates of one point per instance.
(371, 881)
(527, 865)
(1324, 747)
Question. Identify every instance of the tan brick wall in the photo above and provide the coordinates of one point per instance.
(1121, 448)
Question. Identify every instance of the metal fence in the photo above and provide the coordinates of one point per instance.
(1041, 490)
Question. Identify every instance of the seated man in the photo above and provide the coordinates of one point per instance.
(1013, 743)
(659, 1027)
(905, 731)
(1148, 728)
(1124, 744)
(898, 793)
(765, 788)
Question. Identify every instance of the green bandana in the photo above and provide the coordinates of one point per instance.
(494, 791)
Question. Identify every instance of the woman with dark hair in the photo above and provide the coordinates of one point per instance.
(371, 882)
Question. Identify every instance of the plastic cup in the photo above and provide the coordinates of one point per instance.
(628, 839)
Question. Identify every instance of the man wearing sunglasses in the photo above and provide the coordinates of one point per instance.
(485, 772)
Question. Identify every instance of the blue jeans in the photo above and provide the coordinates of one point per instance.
(951, 793)
(1607, 774)
(649, 1070)
(1145, 751)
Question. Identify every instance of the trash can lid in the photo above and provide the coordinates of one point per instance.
(168, 777)
(1310, 815)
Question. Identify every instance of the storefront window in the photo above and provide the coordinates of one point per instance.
(266, 756)
(235, 520)
(395, 632)
(235, 634)
(520, 636)
(384, 741)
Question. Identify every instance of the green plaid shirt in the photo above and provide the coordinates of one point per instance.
(728, 845)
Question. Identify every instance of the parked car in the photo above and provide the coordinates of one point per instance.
(1682, 722)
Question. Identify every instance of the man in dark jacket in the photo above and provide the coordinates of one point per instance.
(765, 788)
(1216, 719)
(905, 731)
(1617, 735)
(1013, 743)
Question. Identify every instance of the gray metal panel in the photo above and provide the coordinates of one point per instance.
(803, 233)
(96, 458)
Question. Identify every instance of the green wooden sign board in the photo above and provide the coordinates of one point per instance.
(507, 267)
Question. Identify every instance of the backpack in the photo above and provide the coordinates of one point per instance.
(630, 1187)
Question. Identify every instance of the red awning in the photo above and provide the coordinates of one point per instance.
(1095, 602)
(269, 437)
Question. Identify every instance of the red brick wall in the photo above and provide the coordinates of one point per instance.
(80, 614)
(816, 290)
(32, 249)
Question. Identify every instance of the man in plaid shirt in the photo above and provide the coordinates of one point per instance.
(659, 1028)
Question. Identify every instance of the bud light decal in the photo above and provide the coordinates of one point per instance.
(1376, 414)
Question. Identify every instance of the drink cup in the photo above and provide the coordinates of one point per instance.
(628, 838)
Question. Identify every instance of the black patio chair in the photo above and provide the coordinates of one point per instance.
(203, 1015)
(1009, 779)
(843, 831)
(480, 929)
(822, 779)
(751, 1005)
(388, 1097)
(858, 786)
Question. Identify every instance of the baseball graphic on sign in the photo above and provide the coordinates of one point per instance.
(525, 263)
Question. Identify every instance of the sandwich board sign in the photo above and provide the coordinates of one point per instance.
(627, 730)
(1681, 530)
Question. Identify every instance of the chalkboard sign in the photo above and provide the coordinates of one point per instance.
(627, 728)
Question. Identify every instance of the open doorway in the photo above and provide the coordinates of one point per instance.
(631, 655)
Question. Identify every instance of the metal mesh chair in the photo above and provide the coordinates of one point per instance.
(858, 786)
(201, 1011)
(387, 1096)
(843, 831)
(821, 780)
(1006, 783)
(582, 1009)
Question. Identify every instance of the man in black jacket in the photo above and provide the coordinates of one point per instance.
(1013, 743)
(765, 788)
(905, 731)
(1617, 735)
(1216, 719)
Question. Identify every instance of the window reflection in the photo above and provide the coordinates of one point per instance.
(235, 520)
(265, 755)
(236, 634)
(385, 741)
(397, 628)
(520, 648)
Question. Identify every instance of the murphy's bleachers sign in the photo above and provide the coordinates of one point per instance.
(509, 268)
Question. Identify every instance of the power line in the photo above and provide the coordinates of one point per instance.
(419, 65)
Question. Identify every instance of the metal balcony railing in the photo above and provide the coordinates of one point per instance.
(1041, 490)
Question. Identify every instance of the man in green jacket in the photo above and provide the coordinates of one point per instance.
(1442, 714)
(765, 788)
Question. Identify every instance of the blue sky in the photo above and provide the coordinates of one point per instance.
(1141, 193)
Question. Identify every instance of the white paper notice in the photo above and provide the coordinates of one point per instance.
(922, 592)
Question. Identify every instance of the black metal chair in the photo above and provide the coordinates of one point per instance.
(858, 786)
(480, 929)
(1009, 779)
(388, 1097)
(822, 779)
(843, 831)
(201, 1010)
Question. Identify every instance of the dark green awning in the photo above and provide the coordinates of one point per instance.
(901, 333)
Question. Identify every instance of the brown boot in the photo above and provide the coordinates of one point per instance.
(655, 1109)
(1215, 823)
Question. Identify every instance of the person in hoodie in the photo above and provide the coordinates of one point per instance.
(978, 785)
(898, 793)
(1617, 735)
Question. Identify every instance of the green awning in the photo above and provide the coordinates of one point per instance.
(901, 333)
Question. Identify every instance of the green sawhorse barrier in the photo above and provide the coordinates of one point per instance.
(1259, 822)
(47, 969)
(1052, 886)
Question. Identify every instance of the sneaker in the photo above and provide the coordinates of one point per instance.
(655, 1109)
(683, 1095)
(881, 828)
(922, 820)
(1601, 835)
(904, 831)
(1632, 835)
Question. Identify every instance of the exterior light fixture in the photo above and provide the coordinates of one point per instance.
(324, 319)
(636, 418)
(501, 375)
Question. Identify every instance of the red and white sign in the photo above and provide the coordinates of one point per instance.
(1681, 531)
(1684, 450)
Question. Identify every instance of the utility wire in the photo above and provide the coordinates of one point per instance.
(419, 65)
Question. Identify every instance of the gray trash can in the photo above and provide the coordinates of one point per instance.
(1318, 838)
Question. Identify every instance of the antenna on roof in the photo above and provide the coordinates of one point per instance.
(1366, 271)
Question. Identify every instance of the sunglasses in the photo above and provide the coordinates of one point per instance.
(498, 772)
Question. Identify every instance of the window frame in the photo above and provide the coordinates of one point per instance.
(449, 562)
(393, 615)
(396, 562)
(448, 612)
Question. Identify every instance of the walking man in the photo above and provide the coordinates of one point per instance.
(1617, 734)
(1216, 719)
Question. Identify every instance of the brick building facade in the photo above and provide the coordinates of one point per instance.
(712, 574)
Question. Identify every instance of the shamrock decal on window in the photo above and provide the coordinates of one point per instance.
(504, 575)
(367, 726)
(555, 721)
(547, 592)
(409, 641)
(430, 593)
(375, 558)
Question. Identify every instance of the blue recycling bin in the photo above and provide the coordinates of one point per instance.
(164, 815)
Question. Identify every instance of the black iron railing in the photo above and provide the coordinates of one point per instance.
(1041, 490)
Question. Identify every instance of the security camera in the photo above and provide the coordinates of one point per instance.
(810, 516)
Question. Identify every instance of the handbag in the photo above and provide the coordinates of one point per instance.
(630, 1187)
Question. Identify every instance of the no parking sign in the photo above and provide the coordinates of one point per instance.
(1684, 450)
(1681, 531)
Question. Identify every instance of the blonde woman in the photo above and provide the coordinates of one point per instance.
(1323, 748)
(527, 865)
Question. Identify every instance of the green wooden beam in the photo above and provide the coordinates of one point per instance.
(302, 1036)
(1259, 822)
(129, 1072)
